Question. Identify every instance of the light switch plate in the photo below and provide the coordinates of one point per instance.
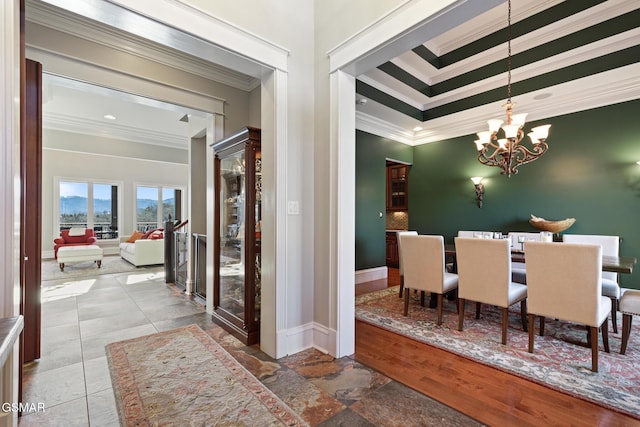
(293, 207)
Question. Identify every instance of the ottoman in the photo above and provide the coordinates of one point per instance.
(629, 306)
(79, 253)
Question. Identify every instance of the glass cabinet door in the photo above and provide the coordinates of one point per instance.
(238, 231)
(232, 236)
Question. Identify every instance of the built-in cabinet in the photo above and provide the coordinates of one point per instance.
(238, 186)
(397, 187)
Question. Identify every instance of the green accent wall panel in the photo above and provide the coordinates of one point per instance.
(589, 173)
(371, 178)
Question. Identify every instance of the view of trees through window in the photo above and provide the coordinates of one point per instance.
(91, 205)
(155, 206)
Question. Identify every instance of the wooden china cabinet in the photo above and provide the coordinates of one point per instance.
(238, 187)
(397, 187)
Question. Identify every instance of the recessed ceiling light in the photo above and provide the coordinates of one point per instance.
(109, 117)
(361, 101)
(542, 96)
(417, 129)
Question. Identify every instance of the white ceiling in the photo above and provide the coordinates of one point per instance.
(74, 106)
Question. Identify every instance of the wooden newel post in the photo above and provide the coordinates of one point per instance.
(169, 262)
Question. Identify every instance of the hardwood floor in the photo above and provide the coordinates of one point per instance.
(489, 395)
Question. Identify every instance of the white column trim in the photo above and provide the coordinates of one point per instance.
(10, 190)
(274, 337)
(10, 158)
(342, 199)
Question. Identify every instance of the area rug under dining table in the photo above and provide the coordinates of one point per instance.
(183, 377)
(561, 359)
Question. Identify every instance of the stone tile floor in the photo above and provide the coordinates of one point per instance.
(80, 316)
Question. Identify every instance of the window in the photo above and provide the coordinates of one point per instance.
(156, 205)
(89, 204)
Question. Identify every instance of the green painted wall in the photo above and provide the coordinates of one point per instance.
(371, 154)
(589, 173)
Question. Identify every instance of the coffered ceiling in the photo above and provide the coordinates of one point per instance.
(567, 56)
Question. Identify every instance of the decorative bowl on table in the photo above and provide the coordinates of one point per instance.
(552, 226)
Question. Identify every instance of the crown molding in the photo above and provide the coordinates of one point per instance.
(59, 20)
(374, 125)
(73, 124)
(608, 88)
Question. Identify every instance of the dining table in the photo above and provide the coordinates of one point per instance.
(616, 264)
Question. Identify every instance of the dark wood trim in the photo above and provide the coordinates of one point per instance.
(31, 200)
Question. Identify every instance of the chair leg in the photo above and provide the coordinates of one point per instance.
(439, 309)
(401, 285)
(460, 313)
(523, 314)
(406, 302)
(478, 310)
(532, 319)
(626, 331)
(505, 319)
(605, 334)
(614, 314)
(593, 332)
(541, 326)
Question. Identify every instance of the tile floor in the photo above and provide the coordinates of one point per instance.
(81, 316)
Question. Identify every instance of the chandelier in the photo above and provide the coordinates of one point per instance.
(506, 152)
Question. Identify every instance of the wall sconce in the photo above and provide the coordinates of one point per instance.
(477, 182)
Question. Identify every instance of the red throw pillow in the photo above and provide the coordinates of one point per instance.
(148, 234)
(156, 235)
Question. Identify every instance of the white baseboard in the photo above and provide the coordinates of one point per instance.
(370, 274)
(324, 339)
(311, 335)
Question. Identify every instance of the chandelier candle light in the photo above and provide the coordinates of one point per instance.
(507, 153)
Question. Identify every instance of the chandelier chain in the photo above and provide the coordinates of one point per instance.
(506, 152)
(509, 53)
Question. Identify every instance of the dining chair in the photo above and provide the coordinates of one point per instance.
(398, 234)
(517, 240)
(564, 282)
(484, 276)
(629, 307)
(475, 234)
(610, 287)
(424, 270)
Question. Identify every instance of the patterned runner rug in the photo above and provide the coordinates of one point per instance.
(183, 377)
(561, 359)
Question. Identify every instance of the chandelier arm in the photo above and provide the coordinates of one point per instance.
(528, 155)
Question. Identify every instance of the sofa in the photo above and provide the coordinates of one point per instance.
(142, 248)
(75, 236)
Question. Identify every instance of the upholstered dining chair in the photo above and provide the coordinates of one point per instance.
(424, 270)
(398, 234)
(476, 234)
(629, 306)
(564, 282)
(484, 276)
(610, 287)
